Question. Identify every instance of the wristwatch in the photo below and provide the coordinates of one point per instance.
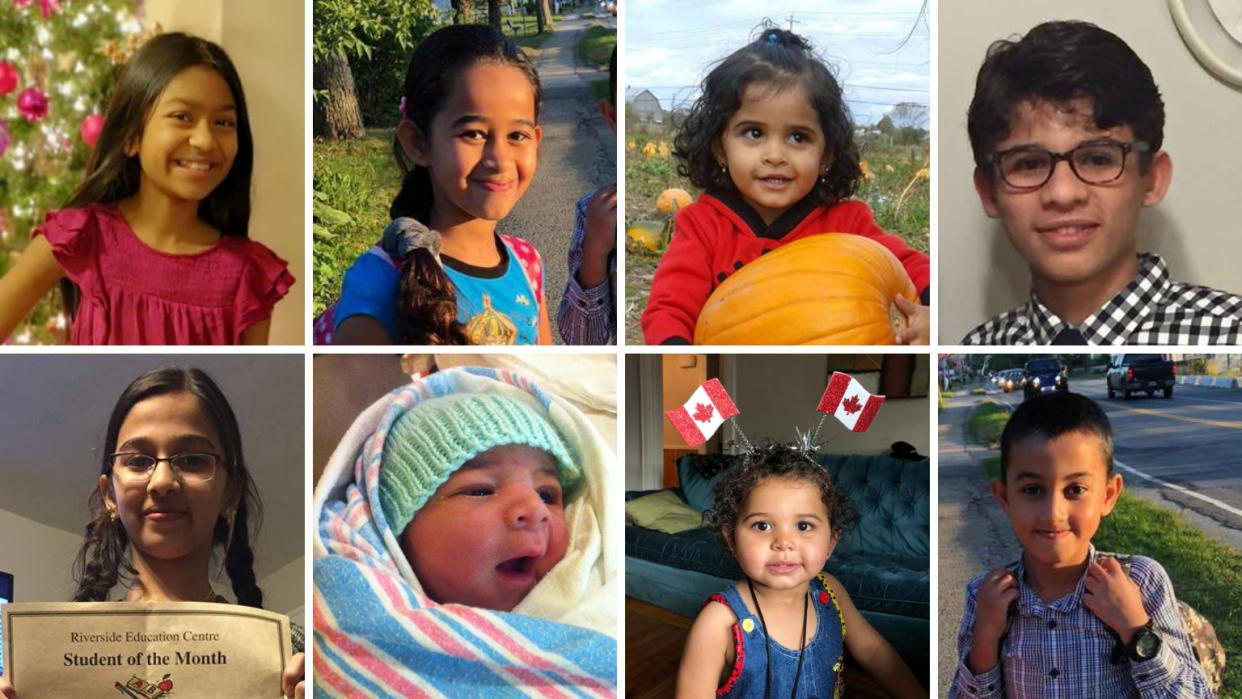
(1145, 644)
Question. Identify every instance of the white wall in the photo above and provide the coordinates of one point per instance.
(1194, 229)
(39, 557)
(284, 590)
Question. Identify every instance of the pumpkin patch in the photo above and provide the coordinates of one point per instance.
(834, 289)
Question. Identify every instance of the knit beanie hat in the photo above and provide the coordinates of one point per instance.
(435, 437)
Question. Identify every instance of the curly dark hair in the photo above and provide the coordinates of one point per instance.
(1059, 62)
(775, 461)
(780, 59)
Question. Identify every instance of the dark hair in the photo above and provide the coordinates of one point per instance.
(104, 555)
(612, 76)
(111, 175)
(1058, 63)
(1052, 415)
(427, 302)
(775, 461)
(780, 59)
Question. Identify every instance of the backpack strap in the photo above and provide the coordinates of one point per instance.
(532, 263)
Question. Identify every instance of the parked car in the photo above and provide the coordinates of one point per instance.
(1140, 372)
(1044, 376)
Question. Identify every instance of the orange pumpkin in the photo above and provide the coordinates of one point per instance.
(832, 289)
(672, 200)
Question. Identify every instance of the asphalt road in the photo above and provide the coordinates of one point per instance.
(1183, 453)
(578, 154)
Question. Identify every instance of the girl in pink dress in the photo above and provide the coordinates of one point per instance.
(153, 247)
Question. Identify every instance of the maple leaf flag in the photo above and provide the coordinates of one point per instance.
(709, 406)
(849, 402)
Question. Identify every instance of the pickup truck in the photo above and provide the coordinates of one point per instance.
(1044, 376)
(1140, 372)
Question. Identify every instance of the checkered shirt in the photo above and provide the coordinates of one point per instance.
(587, 316)
(1062, 650)
(1151, 310)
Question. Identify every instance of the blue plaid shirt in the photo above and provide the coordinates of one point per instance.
(587, 316)
(1063, 650)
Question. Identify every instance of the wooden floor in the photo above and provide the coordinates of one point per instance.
(654, 638)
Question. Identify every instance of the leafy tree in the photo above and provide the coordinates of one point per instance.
(885, 126)
(350, 28)
(463, 11)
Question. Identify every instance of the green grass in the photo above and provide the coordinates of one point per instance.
(1205, 573)
(991, 468)
(987, 421)
(597, 44)
(600, 89)
(355, 182)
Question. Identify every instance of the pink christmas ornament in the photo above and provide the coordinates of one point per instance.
(92, 126)
(8, 78)
(5, 140)
(32, 104)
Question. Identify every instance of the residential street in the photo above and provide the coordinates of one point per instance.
(578, 154)
(1180, 453)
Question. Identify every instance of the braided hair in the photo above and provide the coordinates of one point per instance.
(104, 559)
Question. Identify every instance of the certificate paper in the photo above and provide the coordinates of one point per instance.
(144, 650)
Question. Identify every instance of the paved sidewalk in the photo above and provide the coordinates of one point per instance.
(974, 534)
(578, 154)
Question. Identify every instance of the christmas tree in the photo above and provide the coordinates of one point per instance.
(58, 60)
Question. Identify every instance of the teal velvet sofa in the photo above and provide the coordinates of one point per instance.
(883, 562)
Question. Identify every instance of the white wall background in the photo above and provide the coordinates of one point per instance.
(1195, 229)
(36, 555)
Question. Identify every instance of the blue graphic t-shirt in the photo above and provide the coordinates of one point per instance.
(495, 304)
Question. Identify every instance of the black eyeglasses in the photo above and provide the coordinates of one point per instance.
(191, 467)
(1095, 162)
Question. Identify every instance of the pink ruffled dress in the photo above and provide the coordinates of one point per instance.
(135, 295)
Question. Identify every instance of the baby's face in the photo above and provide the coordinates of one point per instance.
(492, 531)
(783, 535)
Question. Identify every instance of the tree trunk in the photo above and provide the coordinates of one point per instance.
(463, 11)
(493, 14)
(341, 116)
(543, 15)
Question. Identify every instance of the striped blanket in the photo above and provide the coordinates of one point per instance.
(378, 635)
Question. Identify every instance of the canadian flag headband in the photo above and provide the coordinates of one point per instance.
(710, 406)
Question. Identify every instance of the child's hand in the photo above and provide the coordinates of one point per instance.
(995, 594)
(293, 682)
(6, 689)
(600, 238)
(918, 323)
(1113, 597)
(998, 590)
(601, 222)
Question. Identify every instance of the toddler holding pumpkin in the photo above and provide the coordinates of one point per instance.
(771, 143)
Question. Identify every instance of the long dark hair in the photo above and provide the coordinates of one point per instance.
(111, 175)
(427, 302)
(778, 58)
(104, 556)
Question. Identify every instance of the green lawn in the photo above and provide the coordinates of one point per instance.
(355, 182)
(596, 45)
(987, 421)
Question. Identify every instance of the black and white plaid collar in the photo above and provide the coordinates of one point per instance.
(1151, 310)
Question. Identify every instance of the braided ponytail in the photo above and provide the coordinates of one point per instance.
(104, 554)
(239, 560)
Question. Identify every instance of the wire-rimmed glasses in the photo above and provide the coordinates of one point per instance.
(1093, 162)
(190, 467)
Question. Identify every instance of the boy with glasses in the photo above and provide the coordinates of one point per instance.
(1072, 92)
